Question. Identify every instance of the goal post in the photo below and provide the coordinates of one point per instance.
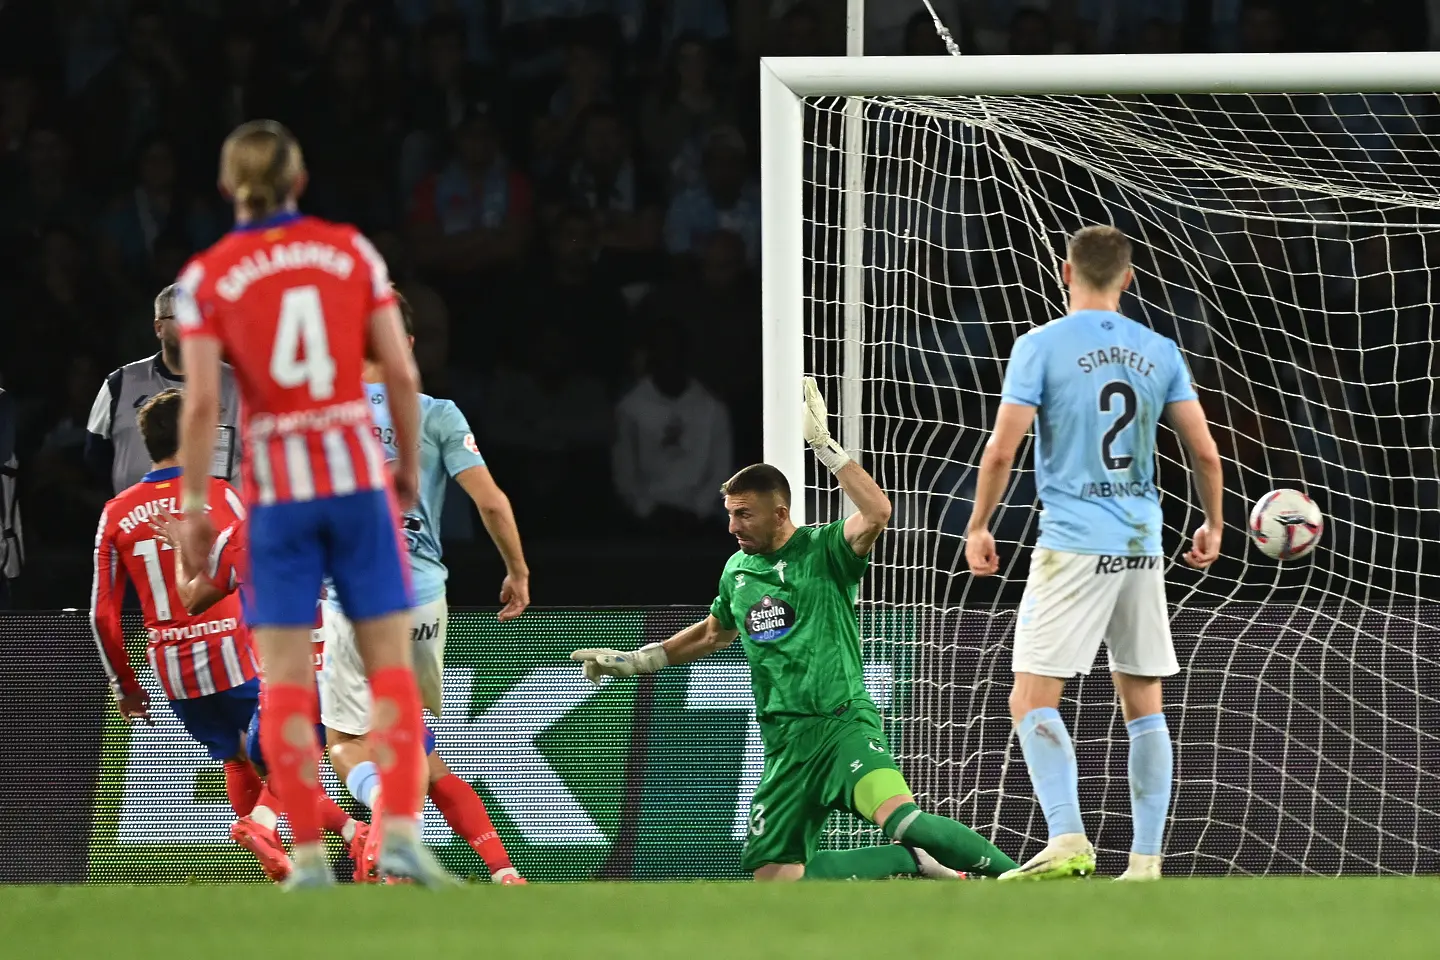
(1286, 214)
(785, 81)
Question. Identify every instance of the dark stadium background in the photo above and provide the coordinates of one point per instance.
(542, 324)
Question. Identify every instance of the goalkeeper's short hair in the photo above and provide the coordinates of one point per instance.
(1099, 256)
(758, 478)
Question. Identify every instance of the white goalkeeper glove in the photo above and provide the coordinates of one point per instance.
(617, 663)
(817, 434)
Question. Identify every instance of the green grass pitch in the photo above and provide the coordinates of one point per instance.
(1232, 918)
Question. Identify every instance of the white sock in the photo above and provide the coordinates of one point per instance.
(348, 833)
(265, 817)
(311, 855)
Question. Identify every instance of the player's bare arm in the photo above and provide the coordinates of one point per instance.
(1187, 418)
(872, 506)
(1011, 425)
(196, 591)
(391, 350)
(693, 643)
(199, 416)
(499, 519)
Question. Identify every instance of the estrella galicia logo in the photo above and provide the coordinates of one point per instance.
(770, 619)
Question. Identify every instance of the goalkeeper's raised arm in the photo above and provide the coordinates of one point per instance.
(872, 506)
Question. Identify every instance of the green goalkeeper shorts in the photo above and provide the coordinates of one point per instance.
(814, 773)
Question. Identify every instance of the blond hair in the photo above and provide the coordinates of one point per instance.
(1099, 256)
(260, 166)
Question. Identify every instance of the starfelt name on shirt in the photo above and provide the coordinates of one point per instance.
(1119, 356)
(299, 255)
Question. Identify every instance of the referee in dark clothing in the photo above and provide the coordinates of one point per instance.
(113, 446)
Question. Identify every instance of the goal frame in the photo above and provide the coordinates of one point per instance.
(785, 81)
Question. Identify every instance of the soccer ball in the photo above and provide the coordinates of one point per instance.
(1286, 524)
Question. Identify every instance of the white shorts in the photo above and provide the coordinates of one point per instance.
(344, 691)
(1073, 601)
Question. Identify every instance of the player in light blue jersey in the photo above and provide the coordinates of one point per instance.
(1095, 384)
(447, 449)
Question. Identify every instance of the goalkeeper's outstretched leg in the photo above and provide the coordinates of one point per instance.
(926, 845)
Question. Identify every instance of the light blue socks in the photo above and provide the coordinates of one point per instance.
(1152, 773)
(1050, 758)
(363, 782)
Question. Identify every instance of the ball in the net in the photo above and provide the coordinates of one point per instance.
(1286, 524)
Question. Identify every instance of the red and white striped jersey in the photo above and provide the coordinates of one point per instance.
(290, 299)
(193, 656)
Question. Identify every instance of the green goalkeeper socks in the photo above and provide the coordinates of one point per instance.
(867, 863)
(949, 841)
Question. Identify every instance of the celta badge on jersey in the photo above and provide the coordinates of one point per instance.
(770, 619)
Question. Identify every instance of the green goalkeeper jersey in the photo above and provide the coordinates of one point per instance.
(795, 610)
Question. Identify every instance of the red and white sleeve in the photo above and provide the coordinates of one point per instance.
(106, 596)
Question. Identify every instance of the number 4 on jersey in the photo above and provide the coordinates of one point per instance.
(302, 351)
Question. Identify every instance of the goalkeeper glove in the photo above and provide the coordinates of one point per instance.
(817, 434)
(617, 663)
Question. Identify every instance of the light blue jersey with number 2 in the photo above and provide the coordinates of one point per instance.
(1100, 382)
(447, 447)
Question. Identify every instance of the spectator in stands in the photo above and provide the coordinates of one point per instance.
(350, 125)
(469, 228)
(449, 88)
(547, 418)
(680, 111)
(140, 93)
(475, 213)
(673, 443)
(64, 303)
(569, 295)
(242, 87)
(153, 206)
(588, 82)
(729, 199)
(623, 201)
(42, 193)
(718, 300)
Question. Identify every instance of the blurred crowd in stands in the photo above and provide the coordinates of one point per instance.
(566, 191)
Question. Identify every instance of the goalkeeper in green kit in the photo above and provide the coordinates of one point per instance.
(789, 595)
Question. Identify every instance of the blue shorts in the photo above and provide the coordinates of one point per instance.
(257, 756)
(219, 720)
(354, 539)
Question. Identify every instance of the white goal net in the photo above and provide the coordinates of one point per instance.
(1289, 243)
